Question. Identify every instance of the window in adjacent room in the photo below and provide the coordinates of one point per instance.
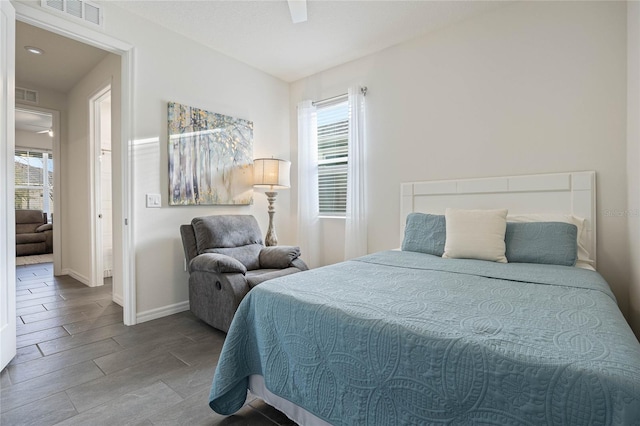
(34, 180)
(333, 128)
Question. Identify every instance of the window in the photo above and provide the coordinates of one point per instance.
(333, 140)
(34, 181)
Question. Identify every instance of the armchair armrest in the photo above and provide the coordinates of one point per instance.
(45, 227)
(278, 257)
(299, 263)
(216, 262)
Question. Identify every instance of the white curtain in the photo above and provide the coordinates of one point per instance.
(355, 238)
(308, 207)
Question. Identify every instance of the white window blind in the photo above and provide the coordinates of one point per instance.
(34, 180)
(333, 128)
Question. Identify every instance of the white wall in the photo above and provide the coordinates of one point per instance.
(75, 166)
(633, 159)
(47, 98)
(533, 87)
(169, 67)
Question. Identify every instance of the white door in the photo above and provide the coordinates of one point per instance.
(100, 148)
(7, 209)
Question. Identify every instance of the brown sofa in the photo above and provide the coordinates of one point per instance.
(33, 234)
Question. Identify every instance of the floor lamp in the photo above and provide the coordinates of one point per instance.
(271, 173)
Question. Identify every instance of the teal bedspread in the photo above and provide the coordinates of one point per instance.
(408, 338)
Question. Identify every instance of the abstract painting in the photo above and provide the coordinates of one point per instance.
(210, 158)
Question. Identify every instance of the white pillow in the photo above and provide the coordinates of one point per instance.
(475, 234)
(584, 259)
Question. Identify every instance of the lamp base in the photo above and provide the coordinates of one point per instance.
(271, 239)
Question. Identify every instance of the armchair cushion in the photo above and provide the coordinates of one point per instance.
(247, 255)
(278, 257)
(45, 227)
(31, 238)
(215, 262)
(28, 221)
(261, 275)
(225, 231)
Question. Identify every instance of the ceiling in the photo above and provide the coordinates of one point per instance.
(62, 65)
(33, 121)
(257, 32)
(260, 32)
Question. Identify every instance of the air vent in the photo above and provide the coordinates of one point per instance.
(79, 9)
(26, 95)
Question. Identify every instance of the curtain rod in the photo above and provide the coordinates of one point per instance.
(326, 101)
(363, 90)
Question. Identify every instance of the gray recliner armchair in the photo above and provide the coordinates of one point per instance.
(226, 258)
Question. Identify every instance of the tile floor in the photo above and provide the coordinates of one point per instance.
(77, 364)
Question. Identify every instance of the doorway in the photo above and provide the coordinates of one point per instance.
(78, 88)
(37, 175)
(124, 260)
(122, 95)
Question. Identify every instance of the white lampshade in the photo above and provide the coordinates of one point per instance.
(271, 172)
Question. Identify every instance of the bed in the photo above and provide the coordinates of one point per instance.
(405, 337)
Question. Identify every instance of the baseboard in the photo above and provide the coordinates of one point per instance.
(75, 275)
(163, 311)
(117, 299)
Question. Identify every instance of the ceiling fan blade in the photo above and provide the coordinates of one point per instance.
(298, 9)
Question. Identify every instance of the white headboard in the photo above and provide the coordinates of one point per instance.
(560, 193)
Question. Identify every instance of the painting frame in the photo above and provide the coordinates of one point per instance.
(210, 157)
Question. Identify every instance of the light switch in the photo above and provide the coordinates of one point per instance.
(153, 200)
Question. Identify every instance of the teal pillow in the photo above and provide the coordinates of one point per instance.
(551, 243)
(425, 233)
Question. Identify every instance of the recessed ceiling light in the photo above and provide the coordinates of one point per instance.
(34, 50)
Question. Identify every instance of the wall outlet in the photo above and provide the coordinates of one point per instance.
(153, 200)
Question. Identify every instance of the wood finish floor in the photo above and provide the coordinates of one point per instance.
(77, 364)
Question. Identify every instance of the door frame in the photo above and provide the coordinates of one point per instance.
(7, 179)
(95, 171)
(124, 255)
